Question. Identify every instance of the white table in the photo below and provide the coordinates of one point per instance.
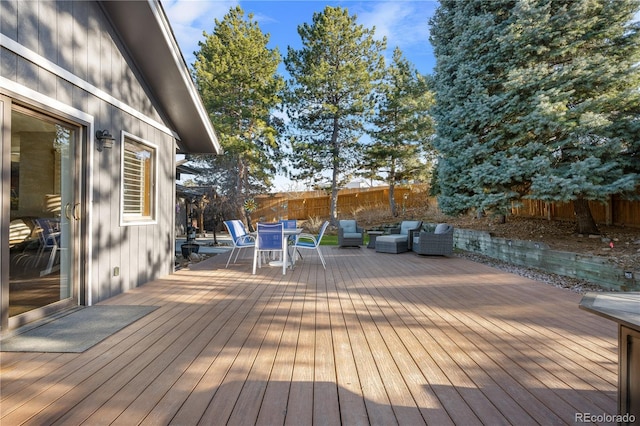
(285, 249)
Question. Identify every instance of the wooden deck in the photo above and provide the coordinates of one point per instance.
(376, 339)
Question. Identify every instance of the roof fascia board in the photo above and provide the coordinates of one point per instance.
(146, 34)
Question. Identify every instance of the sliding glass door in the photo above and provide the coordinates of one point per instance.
(44, 214)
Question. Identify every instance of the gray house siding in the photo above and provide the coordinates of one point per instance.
(77, 37)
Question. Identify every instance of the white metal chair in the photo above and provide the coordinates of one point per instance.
(239, 236)
(270, 238)
(312, 242)
(49, 239)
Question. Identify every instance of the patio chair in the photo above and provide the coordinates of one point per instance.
(291, 224)
(311, 242)
(400, 239)
(349, 234)
(436, 243)
(49, 239)
(270, 238)
(239, 237)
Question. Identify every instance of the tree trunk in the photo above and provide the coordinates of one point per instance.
(584, 218)
(392, 200)
(392, 189)
(335, 165)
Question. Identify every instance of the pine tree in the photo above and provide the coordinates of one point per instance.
(584, 99)
(237, 78)
(536, 99)
(330, 95)
(470, 67)
(402, 126)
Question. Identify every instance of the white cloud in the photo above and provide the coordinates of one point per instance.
(405, 24)
(189, 18)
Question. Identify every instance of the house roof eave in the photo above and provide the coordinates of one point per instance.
(145, 31)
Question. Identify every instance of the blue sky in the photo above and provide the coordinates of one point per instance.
(403, 22)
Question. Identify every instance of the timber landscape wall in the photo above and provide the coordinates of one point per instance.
(532, 254)
(316, 204)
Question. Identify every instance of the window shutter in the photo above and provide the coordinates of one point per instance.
(138, 184)
(133, 181)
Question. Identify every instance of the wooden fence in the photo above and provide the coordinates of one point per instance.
(316, 204)
(617, 211)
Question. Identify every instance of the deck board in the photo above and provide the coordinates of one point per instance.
(375, 339)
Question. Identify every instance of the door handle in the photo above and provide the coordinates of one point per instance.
(76, 214)
(67, 211)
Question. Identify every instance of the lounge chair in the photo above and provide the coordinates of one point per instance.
(436, 243)
(349, 234)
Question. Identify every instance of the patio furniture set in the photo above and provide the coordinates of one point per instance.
(409, 236)
(284, 235)
(273, 238)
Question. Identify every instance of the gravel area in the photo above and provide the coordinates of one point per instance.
(568, 283)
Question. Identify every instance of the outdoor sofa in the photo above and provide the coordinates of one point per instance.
(398, 241)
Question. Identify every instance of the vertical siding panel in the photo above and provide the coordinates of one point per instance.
(9, 19)
(8, 64)
(108, 52)
(27, 73)
(27, 24)
(80, 25)
(47, 30)
(166, 191)
(95, 33)
(64, 34)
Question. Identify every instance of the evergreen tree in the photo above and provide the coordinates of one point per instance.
(330, 95)
(402, 126)
(468, 79)
(536, 99)
(236, 75)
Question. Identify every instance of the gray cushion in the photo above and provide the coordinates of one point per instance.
(407, 225)
(441, 228)
(352, 235)
(349, 226)
(392, 238)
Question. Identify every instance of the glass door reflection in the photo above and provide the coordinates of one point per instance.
(42, 211)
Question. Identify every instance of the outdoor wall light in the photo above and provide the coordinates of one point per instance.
(104, 140)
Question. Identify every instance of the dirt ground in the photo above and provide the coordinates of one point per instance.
(620, 244)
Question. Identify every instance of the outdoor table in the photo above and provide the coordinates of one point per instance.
(372, 238)
(623, 308)
(285, 250)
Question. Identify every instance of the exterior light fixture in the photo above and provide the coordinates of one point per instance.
(104, 140)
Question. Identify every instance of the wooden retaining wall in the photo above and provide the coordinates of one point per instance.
(595, 269)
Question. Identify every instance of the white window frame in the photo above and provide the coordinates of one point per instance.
(128, 219)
